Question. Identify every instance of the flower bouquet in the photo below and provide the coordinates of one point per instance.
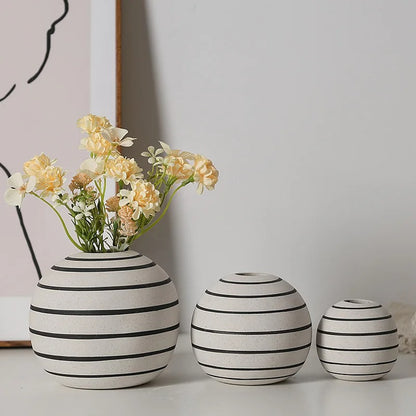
(105, 223)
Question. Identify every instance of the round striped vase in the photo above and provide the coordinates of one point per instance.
(251, 329)
(357, 340)
(104, 320)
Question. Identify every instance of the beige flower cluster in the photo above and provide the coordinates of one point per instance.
(134, 209)
(178, 167)
(128, 226)
(35, 166)
(79, 181)
(113, 204)
(123, 169)
(96, 144)
(143, 198)
(185, 165)
(103, 139)
(49, 178)
(93, 124)
(206, 175)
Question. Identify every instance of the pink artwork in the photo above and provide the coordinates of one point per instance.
(45, 86)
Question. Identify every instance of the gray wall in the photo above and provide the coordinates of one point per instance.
(307, 109)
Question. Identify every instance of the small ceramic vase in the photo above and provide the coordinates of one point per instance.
(357, 340)
(251, 329)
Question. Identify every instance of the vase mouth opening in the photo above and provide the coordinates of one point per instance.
(81, 255)
(359, 301)
(106, 252)
(253, 274)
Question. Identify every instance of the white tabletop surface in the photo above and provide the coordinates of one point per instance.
(183, 389)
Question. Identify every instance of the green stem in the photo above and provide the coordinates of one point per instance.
(61, 219)
(98, 185)
(165, 192)
(145, 230)
(160, 180)
(103, 194)
(103, 210)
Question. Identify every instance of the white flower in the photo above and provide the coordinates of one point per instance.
(60, 199)
(176, 152)
(83, 210)
(115, 135)
(18, 188)
(153, 155)
(93, 167)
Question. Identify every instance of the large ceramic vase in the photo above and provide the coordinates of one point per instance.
(104, 320)
(251, 329)
(357, 340)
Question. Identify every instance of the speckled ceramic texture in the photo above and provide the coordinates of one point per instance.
(251, 329)
(357, 340)
(106, 320)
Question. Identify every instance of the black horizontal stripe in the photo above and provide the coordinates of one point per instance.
(302, 347)
(273, 295)
(103, 259)
(104, 336)
(359, 364)
(139, 373)
(358, 307)
(251, 379)
(358, 349)
(378, 318)
(102, 269)
(358, 375)
(102, 358)
(100, 288)
(251, 312)
(282, 331)
(251, 369)
(361, 334)
(104, 312)
(251, 283)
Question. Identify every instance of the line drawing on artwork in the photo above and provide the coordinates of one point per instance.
(25, 233)
(49, 34)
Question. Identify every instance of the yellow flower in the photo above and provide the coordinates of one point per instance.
(206, 175)
(143, 199)
(93, 124)
(178, 167)
(35, 166)
(51, 180)
(97, 144)
(123, 169)
(113, 204)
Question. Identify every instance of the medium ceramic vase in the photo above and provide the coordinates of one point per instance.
(104, 320)
(251, 329)
(357, 340)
